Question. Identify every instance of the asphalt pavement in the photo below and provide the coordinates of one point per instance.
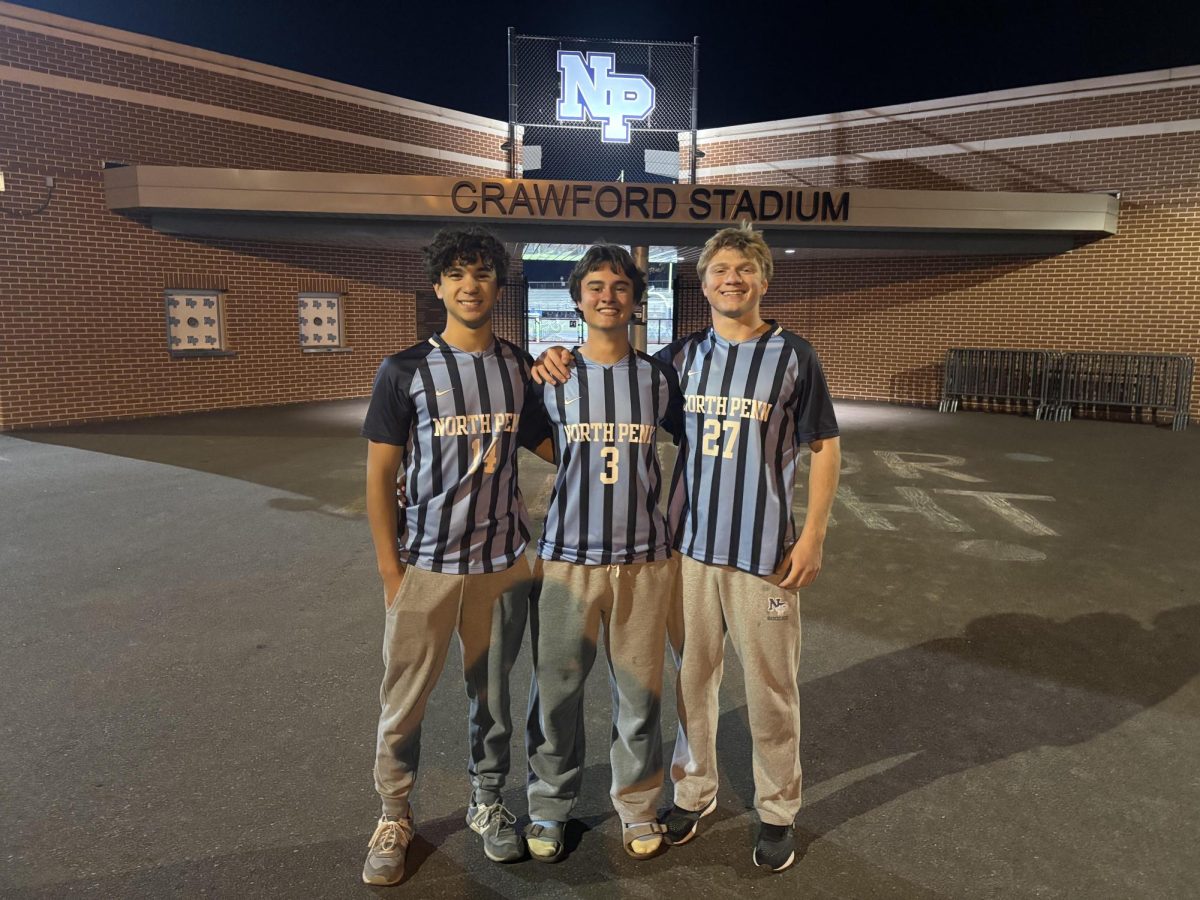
(999, 680)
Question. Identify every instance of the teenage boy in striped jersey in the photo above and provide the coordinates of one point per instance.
(453, 410)
(603, 559)
(753, 394)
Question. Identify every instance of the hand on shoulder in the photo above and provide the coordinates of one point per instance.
(553, 366)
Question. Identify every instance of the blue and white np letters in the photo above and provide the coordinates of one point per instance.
(591, 90)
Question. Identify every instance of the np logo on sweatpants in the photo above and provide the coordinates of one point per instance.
(777, 609)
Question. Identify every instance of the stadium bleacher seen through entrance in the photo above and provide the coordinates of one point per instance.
(553, 319)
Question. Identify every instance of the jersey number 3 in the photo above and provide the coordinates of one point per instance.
(612, 466)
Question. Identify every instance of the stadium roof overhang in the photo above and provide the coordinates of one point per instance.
(370, 210)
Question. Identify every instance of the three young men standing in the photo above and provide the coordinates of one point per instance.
(752, 392)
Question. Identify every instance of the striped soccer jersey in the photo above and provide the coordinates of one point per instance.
(604, 507)
(460, 417)
(747, 409)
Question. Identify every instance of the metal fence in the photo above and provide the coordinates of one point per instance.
(993, 376)
(510, 312)
(1147, 381)
(1053, 384)
(691, 308)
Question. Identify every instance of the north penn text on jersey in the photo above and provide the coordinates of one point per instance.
(733, 407)
(646, 203)
(707, 404)
(610, 432)
(484, 423)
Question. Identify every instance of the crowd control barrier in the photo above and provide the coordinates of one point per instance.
(1053, 384)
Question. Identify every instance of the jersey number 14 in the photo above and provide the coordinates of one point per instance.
(478, 455)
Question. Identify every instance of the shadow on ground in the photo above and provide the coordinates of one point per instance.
(1009, 684)
(873, 732)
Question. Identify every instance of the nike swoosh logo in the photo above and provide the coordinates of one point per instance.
(446, 391)
(695, 372)
(569, 402)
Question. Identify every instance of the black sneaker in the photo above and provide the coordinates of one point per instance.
(502, 842)
(682, 824)
(776, 847)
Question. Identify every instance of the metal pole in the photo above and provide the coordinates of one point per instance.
(637, 325)
(674, 302)
(695, 95)
(512, 106)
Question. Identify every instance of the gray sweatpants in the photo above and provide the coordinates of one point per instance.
(489, 612)
(570, 604)
(763, 622)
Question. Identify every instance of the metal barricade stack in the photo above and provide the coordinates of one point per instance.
(1058, 382)
(994, 375)
(1156, 382)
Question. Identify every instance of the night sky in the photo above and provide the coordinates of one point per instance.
(758, 61)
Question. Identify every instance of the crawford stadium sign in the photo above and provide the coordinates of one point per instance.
(580, 200)
(375, 207)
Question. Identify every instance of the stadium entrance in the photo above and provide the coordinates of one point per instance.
(551, 315)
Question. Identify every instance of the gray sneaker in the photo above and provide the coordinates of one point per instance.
(387, 849)
(502, 842)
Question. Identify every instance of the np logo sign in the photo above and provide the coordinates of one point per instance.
(591, 90)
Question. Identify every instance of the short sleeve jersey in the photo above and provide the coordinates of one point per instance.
(604, 508)
(747, 409)
(460, 417)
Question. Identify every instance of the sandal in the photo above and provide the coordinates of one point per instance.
(644, 840)
(545, 842)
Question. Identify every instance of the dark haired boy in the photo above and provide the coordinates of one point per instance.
(453, 410)
(604, 560)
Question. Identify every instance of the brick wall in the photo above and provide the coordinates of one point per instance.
(882, 326)
(230, 90)
(81, 303)
(82, 331)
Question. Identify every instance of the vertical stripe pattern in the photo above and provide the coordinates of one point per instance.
(604, 507)
(459, 425)
(748, 407)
